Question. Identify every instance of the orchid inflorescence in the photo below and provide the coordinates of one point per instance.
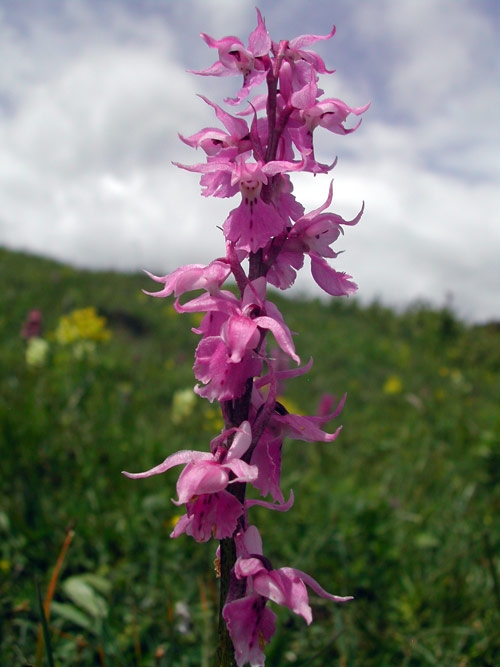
(266, 239)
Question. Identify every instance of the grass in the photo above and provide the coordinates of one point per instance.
(402, 511)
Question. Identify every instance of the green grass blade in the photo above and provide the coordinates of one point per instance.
(45, 627)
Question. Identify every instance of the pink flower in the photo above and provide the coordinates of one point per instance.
(235, 58)
(192, 277)
(205, 472)
(222, 379)
(317, 230)
(295, 52)
(251, 626)
(202, 485)
(313, 234)
(307, 428)
(254, 222)
(331, 114)
(210, 515)
(248, 624)
(252, 225)
(228, 358)
(213, 140)
(284, 586)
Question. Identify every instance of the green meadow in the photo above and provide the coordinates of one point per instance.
(402, 511)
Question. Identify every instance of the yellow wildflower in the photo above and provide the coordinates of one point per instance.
(81, 324)
(393, 385)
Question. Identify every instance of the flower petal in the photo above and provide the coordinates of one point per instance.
(177, 459)
(202, 477)
(251, 625)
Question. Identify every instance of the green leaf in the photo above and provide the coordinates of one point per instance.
(97, 582)
(70, 613)
(426, 541)
(85, 597)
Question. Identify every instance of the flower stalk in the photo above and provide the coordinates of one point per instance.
(270, 234)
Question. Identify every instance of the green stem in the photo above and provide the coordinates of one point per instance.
(225, 650)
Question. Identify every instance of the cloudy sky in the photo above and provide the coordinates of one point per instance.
(94, 92)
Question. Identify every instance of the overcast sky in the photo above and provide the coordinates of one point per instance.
(93, 93)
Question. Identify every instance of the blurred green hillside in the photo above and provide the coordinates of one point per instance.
(402, 511)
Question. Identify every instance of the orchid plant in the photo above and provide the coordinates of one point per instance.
(267, 236)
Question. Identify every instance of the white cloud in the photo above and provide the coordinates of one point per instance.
(92, 97)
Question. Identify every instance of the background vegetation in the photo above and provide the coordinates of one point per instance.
(402, 511)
